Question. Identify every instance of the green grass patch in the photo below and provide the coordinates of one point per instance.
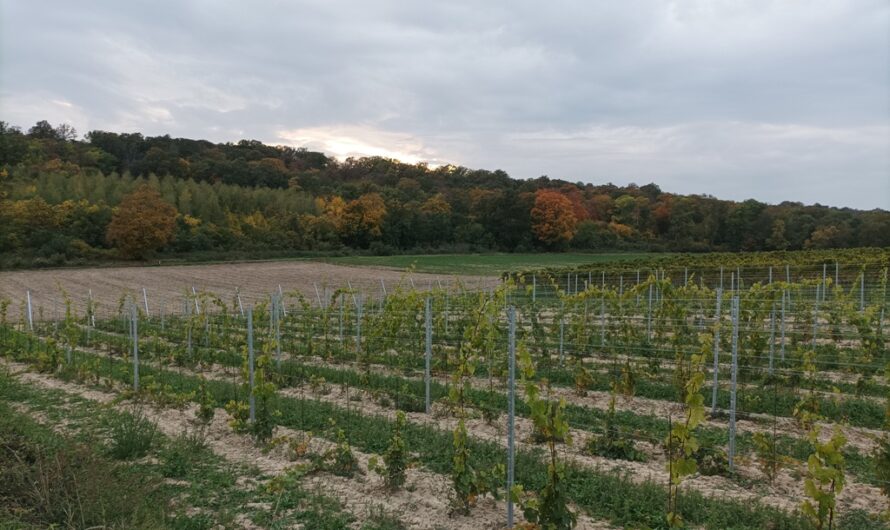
(485, 264)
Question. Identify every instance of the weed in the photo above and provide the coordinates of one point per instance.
(63, 484)
(131, 436)
(179, 455)
(206, 404)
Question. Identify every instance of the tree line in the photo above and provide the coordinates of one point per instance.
(108, 195)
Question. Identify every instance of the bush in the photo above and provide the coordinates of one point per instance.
(378, 248)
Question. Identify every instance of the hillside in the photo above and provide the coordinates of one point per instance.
(62, 204)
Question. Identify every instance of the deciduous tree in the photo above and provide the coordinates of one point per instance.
(777, 239)
(553, 218)
(142, 223)
(364, 218)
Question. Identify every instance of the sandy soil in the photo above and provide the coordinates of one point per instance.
(165, 286)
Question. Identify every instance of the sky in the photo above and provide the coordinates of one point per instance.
(771, 100)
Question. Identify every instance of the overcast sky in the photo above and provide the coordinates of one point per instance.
(772, 100)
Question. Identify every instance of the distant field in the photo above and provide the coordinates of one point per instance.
(165, 286)
(483, 264)
(256, 279)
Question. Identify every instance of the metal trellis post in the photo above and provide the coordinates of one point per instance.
(510, 413)
(772, 337)
(429, 351)
(782, 327)
(135, 318)
(250, 364)
(30, 311)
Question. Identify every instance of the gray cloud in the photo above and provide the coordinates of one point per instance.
(775, 100)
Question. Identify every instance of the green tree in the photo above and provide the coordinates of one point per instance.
(777, 239)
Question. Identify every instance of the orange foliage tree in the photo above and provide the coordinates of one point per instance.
(553, 218)
(574, 195)
(142, 223)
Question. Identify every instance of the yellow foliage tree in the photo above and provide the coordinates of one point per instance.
(334, 209)
(364, 218)
(436, 205)
(621, 230)
(142, 223)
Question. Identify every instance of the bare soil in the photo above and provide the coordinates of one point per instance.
(165, 286)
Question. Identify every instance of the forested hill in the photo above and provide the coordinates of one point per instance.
(113, 195)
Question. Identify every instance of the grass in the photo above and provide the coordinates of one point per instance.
(484, 264)
(69, 480)
(182, 454)
(131, 436)
(50, 481)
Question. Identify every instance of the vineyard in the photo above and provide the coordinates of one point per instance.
(702, 393)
